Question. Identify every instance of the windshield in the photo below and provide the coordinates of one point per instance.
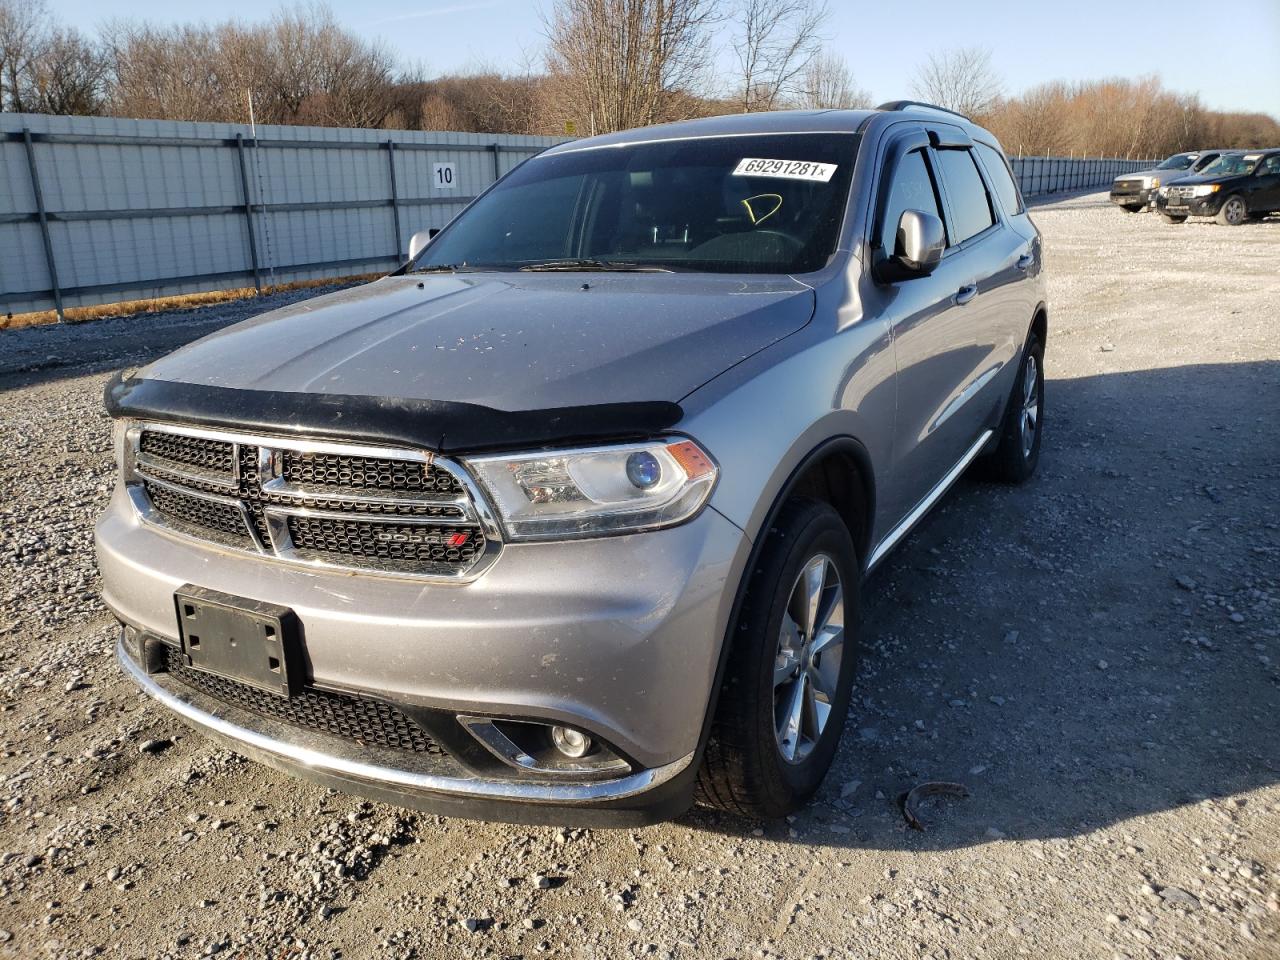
(756, 204)
(1231, 164)
(1179, 162)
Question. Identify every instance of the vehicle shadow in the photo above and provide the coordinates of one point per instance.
(1097, 645)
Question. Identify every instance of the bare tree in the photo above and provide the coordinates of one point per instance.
(68, 75)
(961, 80)
(1037, 123)
(300, 67)
(829, 85)
(622, 63)
(169, 73)
(775, 43)
(23, 31)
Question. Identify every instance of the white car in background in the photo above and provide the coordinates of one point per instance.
(1134, 191)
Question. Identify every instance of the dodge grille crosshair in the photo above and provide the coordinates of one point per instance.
(336, 504)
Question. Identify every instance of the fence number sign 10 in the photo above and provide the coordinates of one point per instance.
(444, 177)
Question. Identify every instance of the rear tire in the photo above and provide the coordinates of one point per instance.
(1233, 212)
(1171, 218)
(790, 672)
(1016, 458)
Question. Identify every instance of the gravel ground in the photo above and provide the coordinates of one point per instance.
(1096, 656)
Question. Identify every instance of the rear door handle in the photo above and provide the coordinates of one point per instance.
(1025, 261)
(966, 293)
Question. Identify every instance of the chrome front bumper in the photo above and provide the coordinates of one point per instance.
(635, 798)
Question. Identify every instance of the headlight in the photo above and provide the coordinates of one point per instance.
(1164, 191)
(1204, 189)
(1153, 183)
(593, 491)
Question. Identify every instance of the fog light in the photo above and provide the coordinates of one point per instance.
(572, 743)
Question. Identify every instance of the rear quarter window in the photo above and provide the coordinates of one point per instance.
(1001, 179)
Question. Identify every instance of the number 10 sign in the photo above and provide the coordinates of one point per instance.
(444, 177)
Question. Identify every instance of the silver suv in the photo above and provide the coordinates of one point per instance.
(566, 520)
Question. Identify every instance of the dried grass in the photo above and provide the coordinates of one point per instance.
(127, 308)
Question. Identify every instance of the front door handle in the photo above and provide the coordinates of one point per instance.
(966, 293)
(1025, 261)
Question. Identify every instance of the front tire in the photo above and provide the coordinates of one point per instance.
(1130, 208)
(1018, 453)
(1233, 212)
(1172, 218)
(790, 673)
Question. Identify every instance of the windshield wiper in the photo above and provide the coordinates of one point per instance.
(456, 268)
(586, 264)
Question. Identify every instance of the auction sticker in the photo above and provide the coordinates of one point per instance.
(785, 169)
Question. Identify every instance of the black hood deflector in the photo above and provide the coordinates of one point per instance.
(438, 425)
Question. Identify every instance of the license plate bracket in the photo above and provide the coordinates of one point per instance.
(240, 639)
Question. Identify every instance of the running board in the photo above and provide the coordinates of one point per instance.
(923, 507)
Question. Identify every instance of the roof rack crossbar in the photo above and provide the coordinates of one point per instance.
(907, 104)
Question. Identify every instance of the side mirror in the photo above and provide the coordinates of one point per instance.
(418, 242)
(921, 239)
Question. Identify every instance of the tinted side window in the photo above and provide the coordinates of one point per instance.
(968, 196)
(912, 189)
(1270, 166)
(1001, 178)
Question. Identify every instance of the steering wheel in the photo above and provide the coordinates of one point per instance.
(792, 245)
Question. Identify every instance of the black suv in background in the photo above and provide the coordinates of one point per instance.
(1133, 191)
(1240, 185)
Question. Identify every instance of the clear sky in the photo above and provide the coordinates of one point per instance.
(1228, 53)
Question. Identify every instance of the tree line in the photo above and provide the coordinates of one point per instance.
(1117, 117)
(606, 65)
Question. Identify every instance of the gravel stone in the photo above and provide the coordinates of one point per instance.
(1147, 792)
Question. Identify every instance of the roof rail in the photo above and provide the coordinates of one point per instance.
(908, 104)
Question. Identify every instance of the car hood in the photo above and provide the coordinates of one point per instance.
(1164, 175)
(1198, 178)
(508, 341)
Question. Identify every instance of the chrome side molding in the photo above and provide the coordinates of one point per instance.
(911, 519)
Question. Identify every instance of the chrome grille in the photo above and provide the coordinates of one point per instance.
(198, 515)
(383, 542)
(367, 473)
(398, 512)
(362, 719)
(1184, 192)
(202, 453)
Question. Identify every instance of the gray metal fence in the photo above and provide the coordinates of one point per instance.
(1038, 176)
(98, 209)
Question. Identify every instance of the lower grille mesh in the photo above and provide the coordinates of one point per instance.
(355, 718)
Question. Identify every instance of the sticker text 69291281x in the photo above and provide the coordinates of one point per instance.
(785, 169)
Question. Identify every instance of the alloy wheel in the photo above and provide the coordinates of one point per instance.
(806, 670)
(1030, 404)
(1234, 211)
